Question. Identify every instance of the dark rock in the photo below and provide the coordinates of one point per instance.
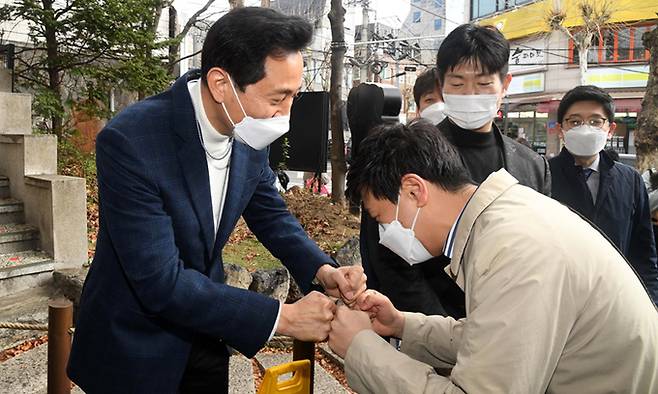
(294, 293)
(272, 283)
(349, 254)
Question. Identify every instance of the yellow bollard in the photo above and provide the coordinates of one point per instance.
(300, 383)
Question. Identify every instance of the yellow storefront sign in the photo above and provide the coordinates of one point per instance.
(530, 19)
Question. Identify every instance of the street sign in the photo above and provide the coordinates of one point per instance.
(526, 56)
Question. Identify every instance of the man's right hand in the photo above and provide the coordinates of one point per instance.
(386, 320)
(308, 319)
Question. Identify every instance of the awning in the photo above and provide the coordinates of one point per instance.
(628, 105)
(547, 103)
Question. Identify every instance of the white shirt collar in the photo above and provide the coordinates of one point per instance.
(595, 164)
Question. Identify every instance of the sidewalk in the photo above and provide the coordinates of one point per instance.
(27, 373)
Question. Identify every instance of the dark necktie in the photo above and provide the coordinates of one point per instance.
(587, 172)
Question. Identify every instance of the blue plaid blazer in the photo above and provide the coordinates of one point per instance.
(156, 281)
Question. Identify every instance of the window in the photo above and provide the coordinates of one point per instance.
(638, 47)
(624, 45)
(416, 17)
(487, 7)
(439, 3)
(615, 46)
(438, 23)
(608, 46)
(482, 8)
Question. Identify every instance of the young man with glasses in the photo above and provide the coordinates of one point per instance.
(608, 193)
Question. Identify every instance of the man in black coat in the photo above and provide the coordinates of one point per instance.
(610, 194)
(472, 69)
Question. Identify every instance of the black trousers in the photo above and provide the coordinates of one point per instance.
(207, 368)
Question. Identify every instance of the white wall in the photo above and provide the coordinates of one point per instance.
(457, 13)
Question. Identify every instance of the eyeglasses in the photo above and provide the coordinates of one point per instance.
(594, 122)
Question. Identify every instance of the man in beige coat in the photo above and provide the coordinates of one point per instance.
(552, 306)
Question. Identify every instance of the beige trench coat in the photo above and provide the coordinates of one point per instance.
(551, 307)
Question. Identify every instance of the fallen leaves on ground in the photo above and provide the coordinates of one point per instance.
(327, 223)
(258, 373)
(22, 347)
(334, 369)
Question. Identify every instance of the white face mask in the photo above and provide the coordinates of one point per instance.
(402, 241)
(585, 140)
(257, 133)
(434, 113)
(471, 112)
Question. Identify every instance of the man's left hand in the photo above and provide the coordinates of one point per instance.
(346, 324)
(345, 282)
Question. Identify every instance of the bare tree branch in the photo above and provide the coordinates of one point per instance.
(595, 15)
(174, 48)
(194, 19)
(185, 57)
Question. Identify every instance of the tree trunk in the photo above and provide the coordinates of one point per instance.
(583, 41)
(236, 3)
(338, 48)
(265, 3)
(52, 66)
(646, 135)
(174, 47)
(582, 59)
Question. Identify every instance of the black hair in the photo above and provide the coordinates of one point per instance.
(482, 46)
(586, 93)
(394, 150)
(425, 83)
(240, 41)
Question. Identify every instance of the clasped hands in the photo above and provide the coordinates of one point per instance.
(316, 316)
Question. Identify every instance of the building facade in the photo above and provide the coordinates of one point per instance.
(424, 29)
(544, 64)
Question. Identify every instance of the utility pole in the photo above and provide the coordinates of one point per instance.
(365, 52)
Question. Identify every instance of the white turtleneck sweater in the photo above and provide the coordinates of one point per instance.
(218, 170)
(217, 145)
